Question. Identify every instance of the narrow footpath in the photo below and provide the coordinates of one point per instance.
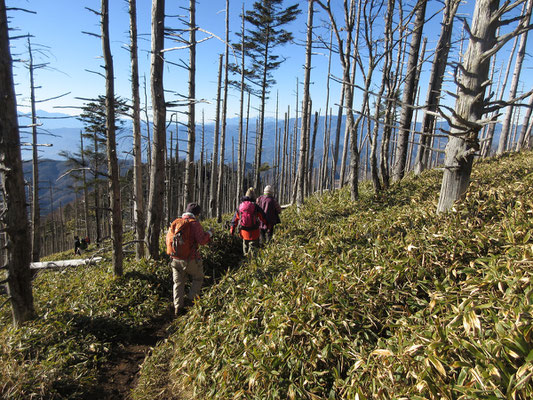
(120, 374)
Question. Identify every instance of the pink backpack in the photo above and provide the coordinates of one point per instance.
(247, 215)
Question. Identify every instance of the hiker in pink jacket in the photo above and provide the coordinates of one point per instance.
(246, 220)
(186, 260)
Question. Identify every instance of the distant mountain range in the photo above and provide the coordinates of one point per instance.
(62, 132)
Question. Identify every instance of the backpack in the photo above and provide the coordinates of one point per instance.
(83, 244)
(247, 215)
(180, 239)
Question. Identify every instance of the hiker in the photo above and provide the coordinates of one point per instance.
(183, 238)
(246, 220)
(77, 245)
(84, 243)
(272, 210)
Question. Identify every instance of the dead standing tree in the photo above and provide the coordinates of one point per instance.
(112, 159)
(378, 105)
(191, 113)
(471, 105)
(503, 144)
(304, 138)
(435, 84)
(157, 178)
(14, 215)
(345, 59)
(220, 186)
(138, 196)
(409, 92)
(36, 213)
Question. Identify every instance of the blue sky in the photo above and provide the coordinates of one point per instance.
(58, 39)
(58, 25)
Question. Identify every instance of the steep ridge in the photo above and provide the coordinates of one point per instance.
(381, 298)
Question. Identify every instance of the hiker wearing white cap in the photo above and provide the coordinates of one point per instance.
(272, 210)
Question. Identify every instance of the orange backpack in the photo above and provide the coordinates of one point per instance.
(179, 239)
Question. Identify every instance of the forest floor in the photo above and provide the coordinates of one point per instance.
(119, 375)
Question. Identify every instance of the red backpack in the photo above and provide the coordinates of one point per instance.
(247, 215)
(179, 239)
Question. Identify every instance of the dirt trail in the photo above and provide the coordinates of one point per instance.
(120, 374)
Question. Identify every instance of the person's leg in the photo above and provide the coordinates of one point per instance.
(269, 234)
(178, 276)
(253, 246)
(263, 238)
(244, 247)
(195, 269)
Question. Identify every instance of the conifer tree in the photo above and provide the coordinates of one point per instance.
(266, 20)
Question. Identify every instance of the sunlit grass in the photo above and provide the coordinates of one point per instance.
(382, 298)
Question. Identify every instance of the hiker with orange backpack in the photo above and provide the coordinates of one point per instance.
(183, 238)
(246, 220)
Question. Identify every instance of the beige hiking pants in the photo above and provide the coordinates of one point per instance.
(181, 271)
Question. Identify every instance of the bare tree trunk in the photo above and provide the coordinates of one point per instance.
(157, 177)
(96, 175)
(224, 115)
(502, 145)
(148, 140)
(435, 85)
(138, 196)
(409, 93)
(14, 215)
(201, 168)
(36, 213)
(85, 189)
(470, 104)
(240, 162)
(294, 178)
(487, 144)
(345, 55)
(214, 159)
(526, 126)
(378, 105)
(112, 161)
(304, 139)
(283, 185)
(312, 154)
(189, 165)
(245, 152)
(275, 173)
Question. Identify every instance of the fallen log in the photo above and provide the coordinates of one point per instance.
(65, 263)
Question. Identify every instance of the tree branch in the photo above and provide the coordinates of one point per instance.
(71, 171)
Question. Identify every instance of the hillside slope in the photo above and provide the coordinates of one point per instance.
(375, 299)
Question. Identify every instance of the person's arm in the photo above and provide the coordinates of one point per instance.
(261, 214)
(277, 206)
(201, 237)
(234, 222)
